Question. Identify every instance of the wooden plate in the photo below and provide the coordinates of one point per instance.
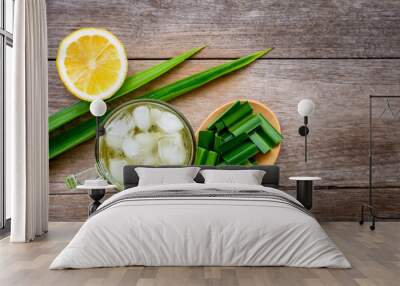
(262, 159)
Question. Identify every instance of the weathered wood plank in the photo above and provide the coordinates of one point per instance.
(73, 207)
(298, 29)
(338, 142)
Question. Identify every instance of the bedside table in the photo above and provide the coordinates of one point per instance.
(304, 187)
(96, 193)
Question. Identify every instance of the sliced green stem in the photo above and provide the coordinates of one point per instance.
(230, 144)
(246, 125)
(262, 141)
(239, 155)
(243, 110)
(212, 158)
(226, 135)
(201, 156)
(274, 136)
(206, 139)
(217, 142)
(218, 122)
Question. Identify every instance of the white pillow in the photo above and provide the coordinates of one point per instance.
(166, 176)
(247, 177)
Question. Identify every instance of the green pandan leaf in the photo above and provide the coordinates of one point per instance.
(131, 83)
(86, 130)
(187, 84)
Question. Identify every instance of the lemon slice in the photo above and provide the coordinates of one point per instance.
(92, 63)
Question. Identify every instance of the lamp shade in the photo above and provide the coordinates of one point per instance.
(98, 107)
(305, 107)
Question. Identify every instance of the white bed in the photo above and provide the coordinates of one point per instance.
(269, 229)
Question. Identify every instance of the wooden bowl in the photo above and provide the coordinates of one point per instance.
(262, 159)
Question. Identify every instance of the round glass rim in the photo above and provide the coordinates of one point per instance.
(100, 166)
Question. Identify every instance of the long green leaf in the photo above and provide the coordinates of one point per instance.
(72, 137)
(131, 83)
(86, 130)
(187, 84)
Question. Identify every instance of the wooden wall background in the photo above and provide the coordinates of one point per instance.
(335, 52)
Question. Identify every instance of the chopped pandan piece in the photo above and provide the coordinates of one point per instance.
(233, 117)
(247, 163)
(212, 158)
(220, 160)
(230, 144)
(262, 140)
(206, 139)
(217, 142)
(246, 125)
(226, 135)
(201, 156)
(219, 126)
(253, 161)
(229, 110)
(239, 155)
(274, 136)
(222, 163)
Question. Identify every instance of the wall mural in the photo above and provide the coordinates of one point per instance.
(92, 64)
(334, 54)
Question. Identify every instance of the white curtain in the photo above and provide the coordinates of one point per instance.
(26, 124)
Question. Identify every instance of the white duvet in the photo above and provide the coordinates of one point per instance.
(200, 231)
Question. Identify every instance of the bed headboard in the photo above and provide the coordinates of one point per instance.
(271, 177)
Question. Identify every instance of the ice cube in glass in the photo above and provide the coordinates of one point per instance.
(170, 151)
(141, 115)
(169, 122)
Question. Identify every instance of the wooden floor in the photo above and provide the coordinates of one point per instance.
(375, 257)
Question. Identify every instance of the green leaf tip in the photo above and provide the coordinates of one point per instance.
(263, 52)
(201, 47)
